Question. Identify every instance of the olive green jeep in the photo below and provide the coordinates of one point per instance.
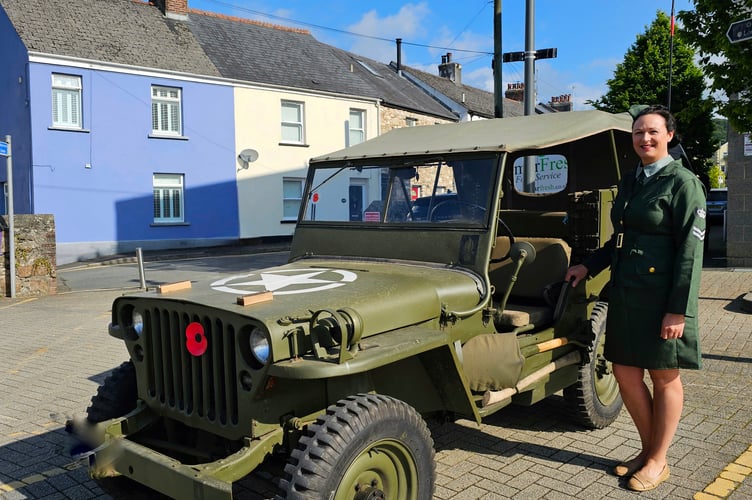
(425, 279)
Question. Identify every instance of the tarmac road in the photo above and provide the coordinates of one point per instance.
(55, 351)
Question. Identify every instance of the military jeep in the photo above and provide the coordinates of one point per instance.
(425, 279)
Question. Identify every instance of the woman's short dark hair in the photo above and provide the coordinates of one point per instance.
(663, 111)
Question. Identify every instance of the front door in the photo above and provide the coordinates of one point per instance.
(356, 202)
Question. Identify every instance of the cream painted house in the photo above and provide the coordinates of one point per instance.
(296, 98)
(297, 126)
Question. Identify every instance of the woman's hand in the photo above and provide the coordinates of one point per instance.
(578, 272)
(672, 326)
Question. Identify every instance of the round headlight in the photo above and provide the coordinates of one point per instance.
(137, 322)
(259, 345)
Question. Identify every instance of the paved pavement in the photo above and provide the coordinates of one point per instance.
(55, 351)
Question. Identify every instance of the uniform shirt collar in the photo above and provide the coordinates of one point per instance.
(653, 168)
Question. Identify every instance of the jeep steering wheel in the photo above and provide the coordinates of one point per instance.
(459, 203)
(508, 233)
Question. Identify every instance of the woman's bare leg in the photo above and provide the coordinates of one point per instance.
(639, 402)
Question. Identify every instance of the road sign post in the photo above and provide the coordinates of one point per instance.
(6, 150)
(740, 31)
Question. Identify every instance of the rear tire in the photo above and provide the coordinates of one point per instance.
(365, 446)
(595, 400)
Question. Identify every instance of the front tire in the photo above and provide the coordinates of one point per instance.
(595, 400)
(365, 446)
(117, 395)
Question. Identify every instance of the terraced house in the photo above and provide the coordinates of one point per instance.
(153, 125)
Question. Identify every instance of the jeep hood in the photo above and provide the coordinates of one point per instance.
(386, 295)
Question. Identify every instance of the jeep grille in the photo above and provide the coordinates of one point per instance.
(203, 387)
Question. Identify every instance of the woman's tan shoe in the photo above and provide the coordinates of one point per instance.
(629, 467)
(642, 482)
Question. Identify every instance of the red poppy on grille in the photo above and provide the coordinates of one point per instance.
(195, 340)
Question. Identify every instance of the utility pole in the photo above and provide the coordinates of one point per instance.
(670, 59)
(498, 91)
(529, 56)
(529, 96)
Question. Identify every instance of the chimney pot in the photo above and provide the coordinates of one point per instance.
(177, 9)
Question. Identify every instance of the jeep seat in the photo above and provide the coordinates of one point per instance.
(527, 304)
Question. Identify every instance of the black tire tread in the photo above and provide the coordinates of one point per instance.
(318, 450)
(116, 396)
(581, 397)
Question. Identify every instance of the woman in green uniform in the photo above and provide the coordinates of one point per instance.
(655, 256)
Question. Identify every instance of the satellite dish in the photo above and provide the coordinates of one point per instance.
(248, 155)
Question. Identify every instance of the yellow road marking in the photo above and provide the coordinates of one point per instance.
(18, 303)
(41, 351)
(729, 479)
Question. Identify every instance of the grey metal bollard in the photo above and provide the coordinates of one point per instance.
(141, 276)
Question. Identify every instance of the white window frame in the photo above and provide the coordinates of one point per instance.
(411, 122)
(66, 101)
(169, 198)
(289, 202)
(166, 110)
(292, 130)
(358, 131)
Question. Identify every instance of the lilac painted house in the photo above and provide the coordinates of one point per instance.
(121, 127)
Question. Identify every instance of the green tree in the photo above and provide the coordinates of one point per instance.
(643, 79)
(728, 65)
(720, 130)
(717, 177)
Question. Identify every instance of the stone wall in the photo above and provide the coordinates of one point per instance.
(739, 213)
(392, 118)
(36, 266)
(398, 118)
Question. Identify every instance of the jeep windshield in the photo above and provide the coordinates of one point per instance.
(434, 191)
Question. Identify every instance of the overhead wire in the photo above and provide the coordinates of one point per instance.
(478, 53)
(337, 30)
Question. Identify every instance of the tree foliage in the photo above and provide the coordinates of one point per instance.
(728, 65)
(643, 78)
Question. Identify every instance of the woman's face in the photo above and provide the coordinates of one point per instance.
(650, 138)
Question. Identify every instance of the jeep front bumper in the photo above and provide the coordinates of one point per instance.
(118, 455)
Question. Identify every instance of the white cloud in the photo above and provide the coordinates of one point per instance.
(407, 23)
(481, 78)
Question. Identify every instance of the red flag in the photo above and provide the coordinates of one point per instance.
(672, 25)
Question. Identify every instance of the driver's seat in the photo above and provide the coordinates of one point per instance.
(527, 304)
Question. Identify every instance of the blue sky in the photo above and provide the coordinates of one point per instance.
(591, 36)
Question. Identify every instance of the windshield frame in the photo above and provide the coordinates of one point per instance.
(487, 166)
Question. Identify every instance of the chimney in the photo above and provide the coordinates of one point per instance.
(399, 56)
(562, 102)
(449, 69)
(174, 9)
(515, 92)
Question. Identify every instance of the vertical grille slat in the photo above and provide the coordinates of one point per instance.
(149, 326)
(217, 375)
(188, 368)
(167, 362)
(177, 363)
(158, 356)
(206, 375)
(231, 388)
(193, 386)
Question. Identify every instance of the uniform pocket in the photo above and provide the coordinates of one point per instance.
(647, 263)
